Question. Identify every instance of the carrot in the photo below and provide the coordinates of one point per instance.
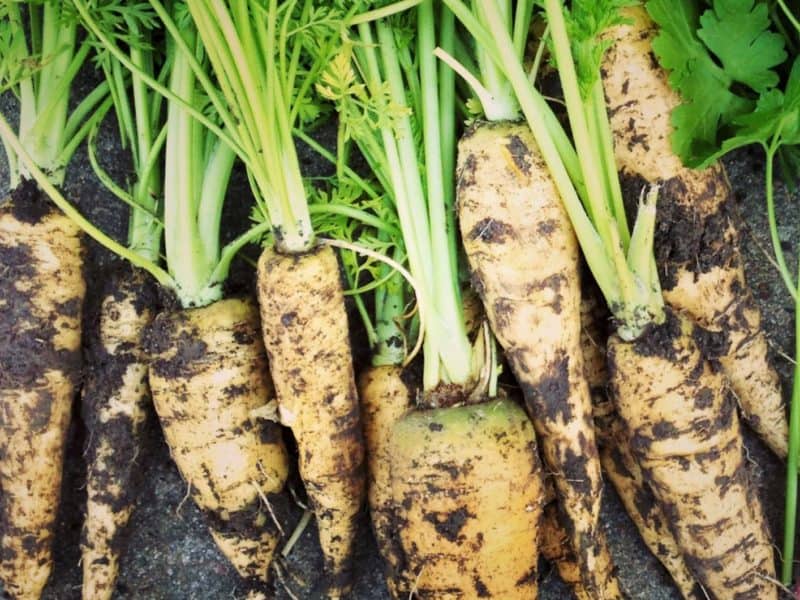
(208, 376)
(684, 432)
(619, 464)
(555, 546)
(41, 302)
(681, 430)
(305, 333)
(385, 398)
(696, 242)
(116, 397)
(466, 524)
(115, 401)
(523, 259)
(465, 476)
(41, 285)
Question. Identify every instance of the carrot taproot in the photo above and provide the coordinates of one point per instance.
(305, 333)
(41, 302)
(385, 398)
(696, 242)
(523, 258)
(619, 465)
(211, 389)
(683, 430)
(115, 401)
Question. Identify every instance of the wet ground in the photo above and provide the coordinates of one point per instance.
(171, 556)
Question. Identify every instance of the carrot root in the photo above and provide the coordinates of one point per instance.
(306, 336)
(41, 302)
(209, 381)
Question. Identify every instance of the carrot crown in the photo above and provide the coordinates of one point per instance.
(399, 107)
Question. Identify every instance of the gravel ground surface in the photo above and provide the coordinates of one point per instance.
(172, 557)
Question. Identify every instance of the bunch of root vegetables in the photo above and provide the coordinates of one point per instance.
(545, 312)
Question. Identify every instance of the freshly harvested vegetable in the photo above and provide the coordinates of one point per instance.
(523, 258)
(212, 360)
(694, 461)
(457, 515)
(41, 300)
(726, 103)
(266, 58)
(509, 214)
(385, 399)
(115, 397)
(618, 461)
(42, 287)
(115, 403)
(682, 425)
(696, 241)
(307, 339)
(458, 508)
(208, 378)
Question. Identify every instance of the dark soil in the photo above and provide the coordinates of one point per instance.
(171, 555)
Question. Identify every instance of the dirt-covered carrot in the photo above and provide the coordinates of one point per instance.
(115, 402)
(555, 546)
(696, 243)
(42, 287)
(385, 398)
(212, 360)
(456, 505)
(684, 431)
(509, 214)
(307, 340)
(619, 464)
(41, 299)
(682, 426)
(456, 509)
(523, 258)
(209, 381)
(265, 59)
(116, 397)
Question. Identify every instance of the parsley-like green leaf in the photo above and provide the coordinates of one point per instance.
(737, 32)
(719, 62)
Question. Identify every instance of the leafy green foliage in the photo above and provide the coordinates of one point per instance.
(723, 64)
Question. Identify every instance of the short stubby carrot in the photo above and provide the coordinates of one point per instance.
(211, 390)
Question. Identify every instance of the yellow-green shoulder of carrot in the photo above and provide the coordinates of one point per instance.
(467, 526)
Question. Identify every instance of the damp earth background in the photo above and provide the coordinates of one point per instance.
(170, 554)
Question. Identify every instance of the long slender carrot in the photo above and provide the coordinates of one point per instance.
(620, 467)
(684, 431)
(523, 257)
(41, 303)
(115, 401)
(306, 336)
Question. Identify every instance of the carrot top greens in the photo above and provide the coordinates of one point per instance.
(40, 55)
(400, 111)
